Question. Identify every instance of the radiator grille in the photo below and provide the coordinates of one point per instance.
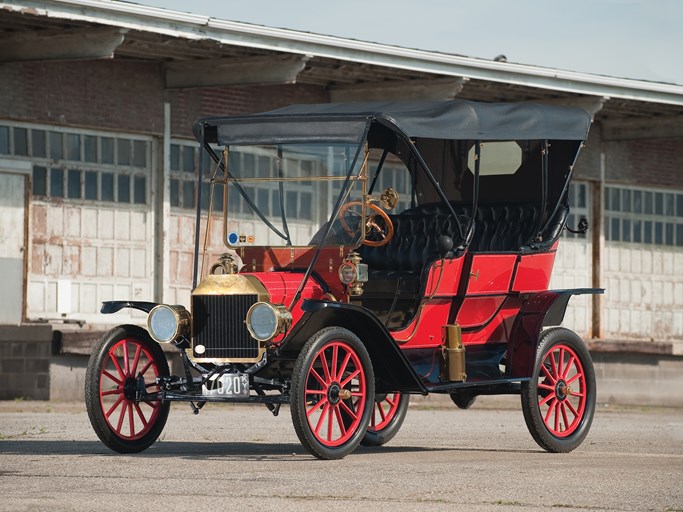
(218, 324)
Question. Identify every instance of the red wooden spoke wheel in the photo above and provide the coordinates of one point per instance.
(388, 414)
(124, 361)
(332, 393)
(559, 402)
(384, 411)
(564, 383)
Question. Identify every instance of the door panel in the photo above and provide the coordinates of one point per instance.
(491, 273)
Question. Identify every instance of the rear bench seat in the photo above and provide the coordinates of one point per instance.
(397, 269)
(498, 228)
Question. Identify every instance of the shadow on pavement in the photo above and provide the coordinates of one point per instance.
(208, 450)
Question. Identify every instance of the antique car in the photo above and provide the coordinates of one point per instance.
(370, 251)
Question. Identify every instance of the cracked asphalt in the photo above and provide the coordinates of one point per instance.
(243, 458)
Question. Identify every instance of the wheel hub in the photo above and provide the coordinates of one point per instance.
(335, 393)
(562, 390)
(130, 387)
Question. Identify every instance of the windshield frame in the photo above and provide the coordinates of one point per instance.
(222, 167)
(354, 174)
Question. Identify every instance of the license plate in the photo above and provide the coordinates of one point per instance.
(227, 385)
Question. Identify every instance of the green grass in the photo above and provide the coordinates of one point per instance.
(32, 430)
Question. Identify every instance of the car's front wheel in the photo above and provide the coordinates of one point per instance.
(122, 360)
(559, 401)
(332, 393)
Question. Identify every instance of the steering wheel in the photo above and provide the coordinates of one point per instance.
(371, 225)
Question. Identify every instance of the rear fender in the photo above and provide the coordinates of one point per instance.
(393, 371)
(541, 310)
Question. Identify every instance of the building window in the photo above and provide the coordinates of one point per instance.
(578, 208)
(643, 216)
(300, 198)
(184, 163)
(81, 167)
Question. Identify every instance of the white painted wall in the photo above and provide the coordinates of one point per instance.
(644, 297)
(12, 247)
(106, 253)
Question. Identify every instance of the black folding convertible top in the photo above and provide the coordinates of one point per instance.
(450, 120)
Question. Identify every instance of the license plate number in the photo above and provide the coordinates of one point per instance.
(227, 385)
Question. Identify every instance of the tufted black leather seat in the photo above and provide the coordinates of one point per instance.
(498, 228)
(397, 270)
(413, 243)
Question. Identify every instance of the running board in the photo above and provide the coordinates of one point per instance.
(485, 387)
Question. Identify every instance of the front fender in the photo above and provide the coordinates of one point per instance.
(114, 306)
(393, 371)
(538, 311)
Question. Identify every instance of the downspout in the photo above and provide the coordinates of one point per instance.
(163, 211)
(597, 244)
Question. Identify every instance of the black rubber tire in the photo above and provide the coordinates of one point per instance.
(380, 437)
(551, 340)
(93, 384)
(318, 343)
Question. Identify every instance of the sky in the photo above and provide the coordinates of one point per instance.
(640, 39)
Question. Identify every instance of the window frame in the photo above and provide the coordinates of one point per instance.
(73, 143)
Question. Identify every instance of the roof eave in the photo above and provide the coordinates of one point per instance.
(197, 27)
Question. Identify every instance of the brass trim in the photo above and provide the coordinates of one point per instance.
(182, 319)
(209, 215)
(226, 262)
(283, 178)
(453, 355)
(261, 351)
(283, 320)
(230, 284)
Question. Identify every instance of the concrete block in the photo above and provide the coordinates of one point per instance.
(639, 379)
(18, 349)
(4, 383)
(42, 387)
(12, 366)
(20, 381)
(5, 349)
(38, 349)
(67, 378)
(37, 365)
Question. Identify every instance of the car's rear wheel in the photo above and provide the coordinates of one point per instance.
(332, 393)
(388, 413)
(121, 360)
(559, 401)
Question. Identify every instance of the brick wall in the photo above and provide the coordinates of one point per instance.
(588, 163)
(25, 362)
(189, 104)
(103, 94)
(648, 162)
